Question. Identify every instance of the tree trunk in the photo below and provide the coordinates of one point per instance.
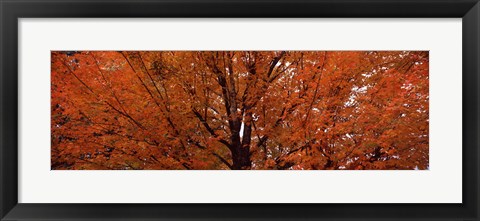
(240, 152)
(241, 159)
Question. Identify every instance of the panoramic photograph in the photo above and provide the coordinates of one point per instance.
(239, 110)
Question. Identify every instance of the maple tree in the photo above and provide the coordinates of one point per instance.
(239, 110)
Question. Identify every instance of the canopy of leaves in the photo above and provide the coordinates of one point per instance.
(204, 110)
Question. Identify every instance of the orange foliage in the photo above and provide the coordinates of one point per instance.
(240, 110)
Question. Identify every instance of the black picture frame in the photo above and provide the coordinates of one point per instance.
(11, 10)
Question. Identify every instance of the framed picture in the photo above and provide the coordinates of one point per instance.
(256, 110)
